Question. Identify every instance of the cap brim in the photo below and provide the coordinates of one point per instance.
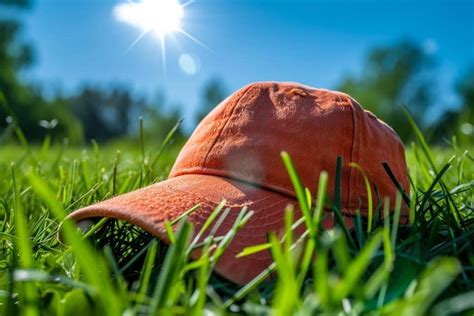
(149, 207)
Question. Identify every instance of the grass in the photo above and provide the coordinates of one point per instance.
(380, 267)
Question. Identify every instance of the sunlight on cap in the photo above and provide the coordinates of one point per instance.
(157, 16)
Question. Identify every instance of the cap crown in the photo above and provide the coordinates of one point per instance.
(243, 136)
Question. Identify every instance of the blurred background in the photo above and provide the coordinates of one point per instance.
(82, 70)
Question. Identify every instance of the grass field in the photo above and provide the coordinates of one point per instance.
(385, 268)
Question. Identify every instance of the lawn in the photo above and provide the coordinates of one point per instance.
(426, 267)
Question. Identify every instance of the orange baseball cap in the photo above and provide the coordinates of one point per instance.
(234, 154)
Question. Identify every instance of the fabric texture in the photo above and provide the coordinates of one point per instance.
(234, 154)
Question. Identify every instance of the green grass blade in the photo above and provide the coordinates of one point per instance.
(396, 219)
(170, 272)
(339, 219)
(25, 250)
(247, 251)
(147, 269)
(368, 188)
(165, 142)
(459, 304)
(299, 190)
(357, 267)
(84, 253)
(321, 198)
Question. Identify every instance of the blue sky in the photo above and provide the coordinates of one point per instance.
(313, 42)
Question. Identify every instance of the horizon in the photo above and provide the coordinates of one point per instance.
(82, 42)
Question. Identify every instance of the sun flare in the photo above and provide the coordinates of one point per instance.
(158, 17)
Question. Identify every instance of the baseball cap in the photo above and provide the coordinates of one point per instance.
(234, 154)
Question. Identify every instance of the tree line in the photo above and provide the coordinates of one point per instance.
(403, 77)
(394, 77)
(93, 112)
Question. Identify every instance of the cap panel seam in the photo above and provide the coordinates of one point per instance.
(225, 124)
(352, 173)
(360, 176)
(347, 141)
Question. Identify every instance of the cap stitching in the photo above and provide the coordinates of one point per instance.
(343, 102)
(358, 139)
(351, 157)
(225, 124)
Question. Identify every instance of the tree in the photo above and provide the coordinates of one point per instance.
(459, 122)
(22, 104)
(213, 93)
(465, 89)
(92, 113)
(392, 76)
(14, 56)
(104, 114)
(111, 114)
(158, 122)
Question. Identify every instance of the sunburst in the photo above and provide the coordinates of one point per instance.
(157, 17)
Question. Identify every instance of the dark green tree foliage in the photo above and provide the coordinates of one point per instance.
(13, 57)
(392, 76)
(107, 114)
(212, 94)
(21, 104)
(158, 122)
(93, 113)
(459, 122)
(465, 88)
(104, 114)
(18, 3)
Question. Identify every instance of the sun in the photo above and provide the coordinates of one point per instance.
(157, 16)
